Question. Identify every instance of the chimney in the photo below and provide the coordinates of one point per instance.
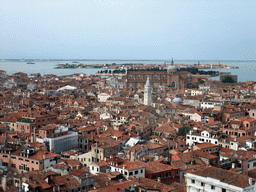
(105, 159)
(250, 181)
(245, 166)
(32, 138)
(159, 179)
(4, 183)
(233, 165)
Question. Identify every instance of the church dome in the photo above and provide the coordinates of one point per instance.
(172, 68)
(177, 101)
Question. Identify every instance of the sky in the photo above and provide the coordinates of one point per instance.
(132, 29)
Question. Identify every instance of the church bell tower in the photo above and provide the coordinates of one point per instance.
(147, 93)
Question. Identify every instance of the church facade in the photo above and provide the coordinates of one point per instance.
(169, 77)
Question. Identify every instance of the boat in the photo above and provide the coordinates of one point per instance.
(30, 63)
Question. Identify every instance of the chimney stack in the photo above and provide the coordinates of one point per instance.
(4, 183)
(245, 166)
(250, 181)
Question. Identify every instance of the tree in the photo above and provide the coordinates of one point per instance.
(228, 79)
(201, 81)
(183, 131)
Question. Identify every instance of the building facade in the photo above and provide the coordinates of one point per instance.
(170, 77)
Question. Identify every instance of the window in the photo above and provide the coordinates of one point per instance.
(223, 190)
(92, 168)
(216, 142)
(136, 172)
(125, 172)
(202, 184)
(254, 164)
(193, 181)
(212, 187)
(141, 171)
(130, 173)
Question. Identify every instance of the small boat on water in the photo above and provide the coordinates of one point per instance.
(30, 63)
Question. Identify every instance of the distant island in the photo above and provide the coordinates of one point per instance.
(75, 66)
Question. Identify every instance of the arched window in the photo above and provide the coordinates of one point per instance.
(173, 84)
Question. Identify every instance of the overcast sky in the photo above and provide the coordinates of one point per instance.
(132, 29)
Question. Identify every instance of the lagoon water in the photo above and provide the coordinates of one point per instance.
(246, 71)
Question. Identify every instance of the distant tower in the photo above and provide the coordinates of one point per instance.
(172, 63)
(147, 93)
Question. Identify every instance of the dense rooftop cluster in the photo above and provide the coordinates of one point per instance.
(87, 133)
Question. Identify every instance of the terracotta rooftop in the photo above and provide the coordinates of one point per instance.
(224, 176)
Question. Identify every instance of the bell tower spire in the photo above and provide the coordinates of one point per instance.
(147, 93)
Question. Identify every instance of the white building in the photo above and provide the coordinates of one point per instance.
(102, 97)
(209, 137)
(147, 93)
(214, 179)
(31, 86)
(210, 104)
(205, 87)
(194, 115)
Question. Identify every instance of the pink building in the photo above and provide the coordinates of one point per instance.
(244, 126)
(27, 159)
